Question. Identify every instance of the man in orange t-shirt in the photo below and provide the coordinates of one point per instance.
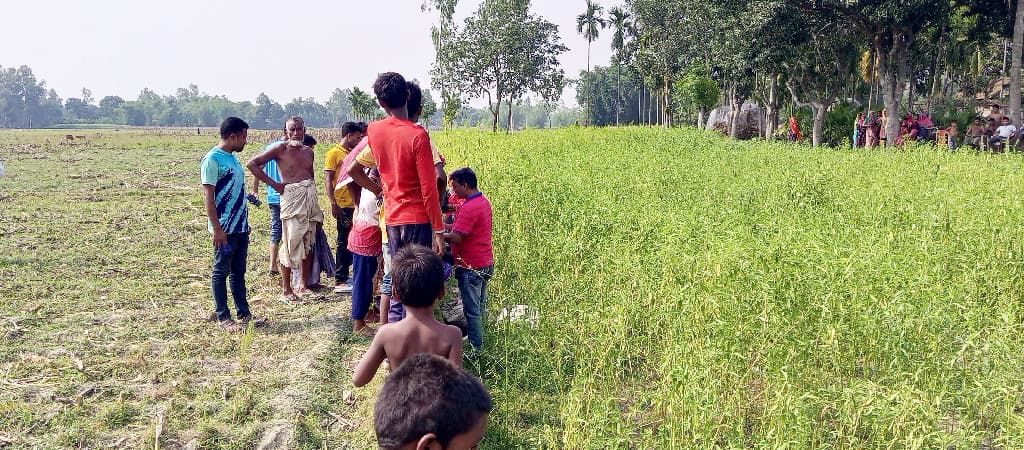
(402, 152)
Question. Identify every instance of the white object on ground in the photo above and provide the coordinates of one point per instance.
(519, 313)
(2, 172)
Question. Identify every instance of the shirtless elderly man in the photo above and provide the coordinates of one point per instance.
(300, 210)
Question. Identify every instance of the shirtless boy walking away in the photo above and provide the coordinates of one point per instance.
(417, 275)
(300, 210)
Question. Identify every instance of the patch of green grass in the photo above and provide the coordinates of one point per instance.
(693, 291)
(118, 415)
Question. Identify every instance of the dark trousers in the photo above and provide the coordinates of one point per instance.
(229, 266)
(343, 256)
(399, 236)
(363, 270)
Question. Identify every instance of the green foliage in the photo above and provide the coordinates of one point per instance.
(25, 102)
(839, 123)
(697, 91)
(364, 105)
(502, 53)
(599, 86)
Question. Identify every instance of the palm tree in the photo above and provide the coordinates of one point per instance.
(1018, 49)
(589, 24)
(363, 104)
(620, 21)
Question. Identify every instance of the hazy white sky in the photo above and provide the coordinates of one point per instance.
(241, 48)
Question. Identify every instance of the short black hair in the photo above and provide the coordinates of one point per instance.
(428, 394)
(415, 103)
(232, 125)
(391, 89)
(309, 141)
(465, 176)
(417, 276)
(350, 127)
(364, 126)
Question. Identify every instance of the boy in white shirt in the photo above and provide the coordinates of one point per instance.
(1003, 134)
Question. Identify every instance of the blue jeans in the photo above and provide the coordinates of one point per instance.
(473, 290)
(363, 270)
(230, 266)
(275, 222)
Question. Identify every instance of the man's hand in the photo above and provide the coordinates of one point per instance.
(439, 244)
(335, 210)
(279, 187)
(220, 238)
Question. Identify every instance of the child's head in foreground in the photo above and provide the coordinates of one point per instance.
(417, 276)
(428, 403)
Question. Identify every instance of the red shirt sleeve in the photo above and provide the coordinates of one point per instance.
(428, 180)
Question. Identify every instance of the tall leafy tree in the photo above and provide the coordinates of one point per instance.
(619, 18)
(502, 53)
(339, 107)
(824, 62)
(1015, 67)
(589, 24)
(442, 34)
(364, 106)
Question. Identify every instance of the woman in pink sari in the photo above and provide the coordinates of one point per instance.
(871, 128)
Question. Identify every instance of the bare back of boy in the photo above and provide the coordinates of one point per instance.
(410, 336)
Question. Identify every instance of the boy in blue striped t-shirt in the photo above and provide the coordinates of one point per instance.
(224, 196)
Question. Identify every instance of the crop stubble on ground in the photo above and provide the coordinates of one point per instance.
(695, 292)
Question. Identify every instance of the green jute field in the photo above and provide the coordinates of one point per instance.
(692, 292)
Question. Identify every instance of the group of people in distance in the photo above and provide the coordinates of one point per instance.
(387, 185)
(869, 131)
(995, 133)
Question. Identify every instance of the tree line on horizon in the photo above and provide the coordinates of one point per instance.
(822, 61)
(26, 102)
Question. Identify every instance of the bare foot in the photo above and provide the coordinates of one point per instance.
(372, 317)
(230, 326)
(290, 297)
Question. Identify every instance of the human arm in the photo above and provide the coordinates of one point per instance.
(465, 222)
(329, 190)
(370, 362)
(442, 179)
(255, 187)
(439, 164)
(210, 200)
(255, 166)
(455, 352)
(454, 237)
(358, 174)
(427, 176)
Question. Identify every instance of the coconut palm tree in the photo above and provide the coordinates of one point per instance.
(1018, 49)
(619, 19)
(590, 24)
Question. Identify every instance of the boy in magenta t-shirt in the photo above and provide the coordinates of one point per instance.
(472, 248)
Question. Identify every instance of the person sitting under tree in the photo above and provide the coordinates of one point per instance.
(975, 134)
(1006, 134)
